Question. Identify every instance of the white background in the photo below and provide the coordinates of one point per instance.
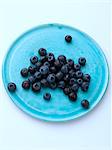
(18, 131)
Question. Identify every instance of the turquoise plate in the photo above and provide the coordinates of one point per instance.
(51, 37)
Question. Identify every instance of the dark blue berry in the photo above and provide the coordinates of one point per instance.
(50, 54)
(86, 77)
(82, 61)
(38, 65)
(47, 96)
(34, 59)
(72, 81)
(85, 104)
(70, 63)
(11, 87)
(79, 74)
(53, 85)
(24, 72)
(44, 83)
(44, 70)
(53, 69)
(64, 69)
(37, 75)
(57, 64)
(72, 73)
(77, 67)
(85, 86)
(50, 59)
(66, 90)
(73, 96)
(59, 76)
(61, 84)
(26, 84)
(62, 59)
(75, 87)
(79, 81)
(66, 78)
(43, 59)
(42, 52)
(31, 79)
(32, 69)
(47, 64)
(51, 78)
(68, 38)
(36, 87)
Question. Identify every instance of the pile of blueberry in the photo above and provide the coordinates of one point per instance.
(49, 71)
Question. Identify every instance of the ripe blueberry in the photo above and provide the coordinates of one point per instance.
(42, 51)
(51, 78)
(36, 87)
(24, 72)
(26, 84)
(85, 104)
(47, 96)
(34, 59)
(44, 70)
(68, 38)
(73, 96)
(85, 86)
(11, 87)
(82, 61)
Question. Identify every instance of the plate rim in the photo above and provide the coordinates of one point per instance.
(65, 118)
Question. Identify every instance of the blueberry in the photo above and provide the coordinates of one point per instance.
(51, 78)
(11, 86)
(82, 61)
(47, 64)
(37, 75)
(86, 77)
(64, 69)
(78, 74)
(79, 81)
(68, 38)
(53, 85)
(59, 76)
(72, 73)
(31, 79)
(26, 84)
(70, 63)
(73, 96)
(66, 90)
(51, 59)
(38, 65)
(36, 87)
(47, 96)
(43, 59)
(34, 59)
(53, 69)
(72, 81)
(85, 86)
(44, 83)
(32, 69)
(75, 87)
(62, 59)
(61, 84)
(24, 72)
(77, 67)
(66, 78)
(42, 52)
(50, 54)
(44, 70)
(57, 64)
(85, 103)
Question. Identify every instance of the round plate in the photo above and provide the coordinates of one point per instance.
(51, 37)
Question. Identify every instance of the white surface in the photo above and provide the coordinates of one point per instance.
(18, 131)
